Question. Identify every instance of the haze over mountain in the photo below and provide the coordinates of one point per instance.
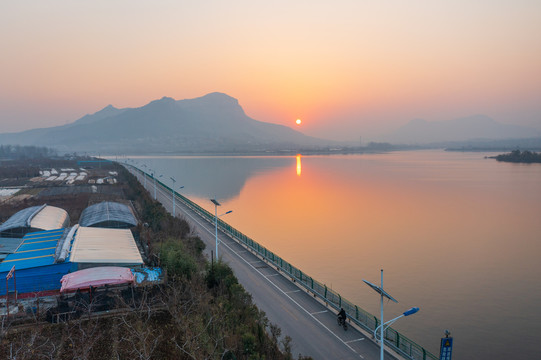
(471, 128)
(211, 123)
(216, 123)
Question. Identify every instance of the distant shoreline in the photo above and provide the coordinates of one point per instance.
(371, 149)
(516, 156)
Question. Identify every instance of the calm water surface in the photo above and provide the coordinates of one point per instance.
(457, 235)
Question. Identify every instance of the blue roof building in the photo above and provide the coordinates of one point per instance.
(34, 262)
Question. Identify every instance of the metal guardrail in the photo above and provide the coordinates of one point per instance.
(393, 339)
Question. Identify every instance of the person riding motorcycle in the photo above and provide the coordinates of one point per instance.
(342, 315)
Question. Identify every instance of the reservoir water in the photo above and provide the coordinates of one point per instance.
(457, 235)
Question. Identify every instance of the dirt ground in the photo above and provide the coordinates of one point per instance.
(74, 198)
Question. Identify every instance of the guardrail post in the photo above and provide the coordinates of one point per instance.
(339, 300)
(325, 291)
(398, 339)
(424, 353)
(356, 312)
(312, 280)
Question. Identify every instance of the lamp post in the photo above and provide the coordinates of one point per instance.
(145, 177)
(173, 192)
(216, 204)
(153, 180)
(383, 293)
(153, 175)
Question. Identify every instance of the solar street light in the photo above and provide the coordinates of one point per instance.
(216, 216)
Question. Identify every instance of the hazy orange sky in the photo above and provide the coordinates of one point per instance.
(347, 68)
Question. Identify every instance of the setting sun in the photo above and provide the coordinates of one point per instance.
(298, 121)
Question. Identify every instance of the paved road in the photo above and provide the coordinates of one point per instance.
(311, 325)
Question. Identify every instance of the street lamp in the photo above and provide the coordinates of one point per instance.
(216, 216)
(383, 293)
(145, 177)
(409, 312)
(173, 192)
(153, 175)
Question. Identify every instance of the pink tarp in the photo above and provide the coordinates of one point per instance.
(98, 276)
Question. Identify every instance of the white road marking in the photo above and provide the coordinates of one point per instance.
(361, 339)
(319, 312)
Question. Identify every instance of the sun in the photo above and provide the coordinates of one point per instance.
(298, 121)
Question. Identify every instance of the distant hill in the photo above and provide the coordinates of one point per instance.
(476, 127)
(212, 123)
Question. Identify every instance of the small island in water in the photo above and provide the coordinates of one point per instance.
(518, 156)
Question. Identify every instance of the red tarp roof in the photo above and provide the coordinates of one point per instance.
(98, 276)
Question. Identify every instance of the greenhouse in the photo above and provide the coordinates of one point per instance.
(35, 218)
(108, 215)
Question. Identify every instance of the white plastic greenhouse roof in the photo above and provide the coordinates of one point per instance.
(108, 214)
(42, 217)
(100, 245)
(49, 218)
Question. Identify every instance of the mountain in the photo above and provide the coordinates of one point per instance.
(212, 123)
(476, 127)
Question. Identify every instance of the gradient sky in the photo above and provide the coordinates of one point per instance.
(347, 68)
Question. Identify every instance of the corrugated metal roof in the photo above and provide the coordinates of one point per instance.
(99, 245)
(9, 245)
(108, 214)
(35, 268)
(34, 218)
(37, 249)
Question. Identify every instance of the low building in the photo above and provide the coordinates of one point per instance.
(35, 218)
(34, 262)
(93, 247)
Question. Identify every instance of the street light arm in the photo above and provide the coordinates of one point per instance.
(386, 324)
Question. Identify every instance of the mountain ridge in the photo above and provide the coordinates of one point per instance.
(214, 122)
(474, 127)
(217, 123)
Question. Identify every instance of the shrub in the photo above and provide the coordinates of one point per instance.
(176, 260)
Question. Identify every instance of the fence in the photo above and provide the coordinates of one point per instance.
(362, 318)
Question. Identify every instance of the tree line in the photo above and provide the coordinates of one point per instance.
(518, 156)
(16, 152)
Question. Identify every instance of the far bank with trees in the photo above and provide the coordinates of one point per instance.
(517, 156)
